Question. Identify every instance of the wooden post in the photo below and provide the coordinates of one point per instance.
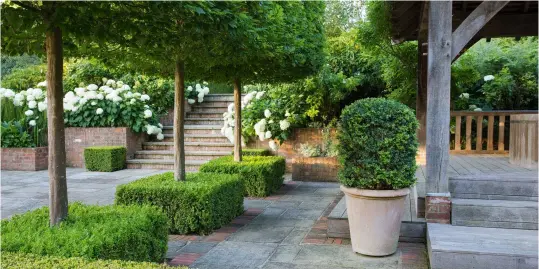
(438, 95)
(179, 108)
(469, 132)
(501, 133)
(55, 120)
(457, 133)
(479, 135)
(237, 120)
(421, 102)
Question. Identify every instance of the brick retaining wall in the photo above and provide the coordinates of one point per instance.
(315, 168)
(25, 159)
(78, 138)
(168, 119)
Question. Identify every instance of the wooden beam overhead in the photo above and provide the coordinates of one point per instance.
(473, 24)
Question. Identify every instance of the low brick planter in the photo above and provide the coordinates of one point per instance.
(315, 169)
(78, 138)
(25, 159)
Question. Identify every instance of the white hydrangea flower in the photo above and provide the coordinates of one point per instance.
(260, 94)
(191, 101)
(201, 94)
(146, 106)
(160, 125)
(273, 145)
(464, 96)
(8, 93)
(83, 101)
(111, 82)
(478, 109)
(80, 91)
(99, 111)
(32, 123)
(93, 103)
(29, 113)
(17, 102)
(206, 90)
(147, 113)
(472, 107)
(42, 106)
(32, 104)
(190, 88)
(200, 99)
(37, 93)
(160, 136)
(268, 134)
(92, 87)
(126, 87)
(42, 84)
(267, 113)
(488, 78)
(100, 96)
(30, 97)
(284, 124)
(144, 97)
(231, 108)
(104, 80)
(75, 108)
(204, 83)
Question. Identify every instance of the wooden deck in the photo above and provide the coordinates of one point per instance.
(473, 165)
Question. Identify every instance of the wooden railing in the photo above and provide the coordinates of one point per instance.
(484, 132)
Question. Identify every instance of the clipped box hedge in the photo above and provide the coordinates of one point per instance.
(23, 260)
(105, 158)
(255, 152)
(92, 232)
(261, 175)
(202, 203)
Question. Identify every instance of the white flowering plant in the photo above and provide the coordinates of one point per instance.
(26, 110)
(113, 104)
(263, 118)
(196, 93)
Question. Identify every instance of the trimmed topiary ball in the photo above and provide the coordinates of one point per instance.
(377, 145)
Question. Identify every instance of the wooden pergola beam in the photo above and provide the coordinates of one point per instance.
(473, 24)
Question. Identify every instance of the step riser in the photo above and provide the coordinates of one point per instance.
(188, 168)
(196, 131)
(204, 122)
(220, 110)
(189, 148)
(208, 103)
(494, 216)
(191, 115)
(171, 157)
(493, 190)
(199, 139)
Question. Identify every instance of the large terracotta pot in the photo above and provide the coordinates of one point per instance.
(375, 218)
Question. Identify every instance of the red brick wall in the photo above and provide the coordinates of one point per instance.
(79, 138)
(315, 169)
(168, 119)
(25, 159)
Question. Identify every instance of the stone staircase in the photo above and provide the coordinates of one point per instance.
(202, 137)
(493, 224)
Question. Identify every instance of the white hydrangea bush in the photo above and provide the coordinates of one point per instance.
(32, 102)
(260, 120)
(196, 94)
(113, 104)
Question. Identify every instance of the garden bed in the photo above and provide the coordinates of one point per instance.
(25, 159)
(315, 169)
(78, 138)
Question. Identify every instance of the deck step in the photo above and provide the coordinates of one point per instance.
(516, 186)
(494, 213)
(190, 165)
(481, 248)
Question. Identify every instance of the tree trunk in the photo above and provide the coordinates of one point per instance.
(55, 121)
(237, 119)
(179, 115)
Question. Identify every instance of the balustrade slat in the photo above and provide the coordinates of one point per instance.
(457, 132)
(490, 133)
(468, 132)
(479, 142)
(501, 133)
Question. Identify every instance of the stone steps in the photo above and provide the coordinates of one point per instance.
(214, 109)
(494, 213)
(190, 165)
(211, 103)
(189, 155)
(206, 115)
(516, 186)
(198, 138)
(203, 121)
(220, 97)
(189, 146)
(481, 248)
(196, 129)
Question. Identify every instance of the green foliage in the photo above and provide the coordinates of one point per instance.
(13, 260)
(261, 175)
(105, 158)
(22, 79)
(255, 152)
(377, 145)
(202, 203)
(11, 63)
(136, 233)
(14, 135)
(341, 16)
(85, 72)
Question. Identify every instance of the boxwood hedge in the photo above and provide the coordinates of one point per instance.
(202, 203)
(91, 232)
(261, 175)
(105, 158)
(377, 145)
(22, 260)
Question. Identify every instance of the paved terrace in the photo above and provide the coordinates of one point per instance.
(285, 230)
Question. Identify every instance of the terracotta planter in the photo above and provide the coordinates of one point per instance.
(375, 218)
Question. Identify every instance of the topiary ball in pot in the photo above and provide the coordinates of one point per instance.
(377, 150)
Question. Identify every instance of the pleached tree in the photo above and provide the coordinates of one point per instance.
(53, 29)
(278, 42)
